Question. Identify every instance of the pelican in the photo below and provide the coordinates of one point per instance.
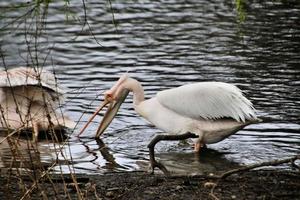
(29, 99)
(208, 111)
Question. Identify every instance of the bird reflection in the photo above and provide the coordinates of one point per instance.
(208, 161)
(18, 153)
(105, 153)
(104, 150)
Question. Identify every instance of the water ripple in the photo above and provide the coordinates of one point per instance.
(166, 44)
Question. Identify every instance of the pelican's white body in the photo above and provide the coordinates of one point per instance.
(25, 100)
(209, 131)
(211, 110)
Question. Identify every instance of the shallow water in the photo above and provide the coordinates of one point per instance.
(165, 44)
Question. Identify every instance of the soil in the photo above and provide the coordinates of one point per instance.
(261, 184)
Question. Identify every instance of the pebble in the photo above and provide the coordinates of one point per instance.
(209, 184)
(282, 182)
(113, 188)
(178, 187)
(109, 194)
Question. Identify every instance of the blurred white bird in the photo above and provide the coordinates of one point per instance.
(209, 111)
(29, 99)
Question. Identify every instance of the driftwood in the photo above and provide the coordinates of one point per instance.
(263, 164)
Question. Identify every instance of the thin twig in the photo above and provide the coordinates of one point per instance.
(256, 165)
(113, 15)
(11, 134)
(36, 182)
(18, 18)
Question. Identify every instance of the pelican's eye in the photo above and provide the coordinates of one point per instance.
(109, 96)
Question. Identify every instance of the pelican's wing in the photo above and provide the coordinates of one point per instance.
(28, 76)
(208, 100)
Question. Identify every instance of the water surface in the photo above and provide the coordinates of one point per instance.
(166, 44)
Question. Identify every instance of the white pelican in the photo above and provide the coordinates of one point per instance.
(29, 99)
(209, 111)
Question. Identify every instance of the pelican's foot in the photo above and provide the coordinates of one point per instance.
(158, 138)
(154, 164)
(35, 134)
(198, 146)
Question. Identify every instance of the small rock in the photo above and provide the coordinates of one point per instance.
(109, 194)
(88, 185)
(149, 193)
(113, 189)
(178, 187)
(233, 196)
(209, 184)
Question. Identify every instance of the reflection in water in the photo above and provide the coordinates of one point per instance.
(165, 44)
(20, 151)
(190, 163)
(110, 163)
(25, 154)
(209, 161)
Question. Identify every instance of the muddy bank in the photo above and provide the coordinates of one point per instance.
(140, 185)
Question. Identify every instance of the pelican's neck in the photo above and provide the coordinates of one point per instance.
(137, 89)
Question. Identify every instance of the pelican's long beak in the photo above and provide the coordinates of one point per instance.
(109, 115)
(115, 92)
(105, 102)
(111, 112)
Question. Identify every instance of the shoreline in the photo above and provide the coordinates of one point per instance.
(257, 184)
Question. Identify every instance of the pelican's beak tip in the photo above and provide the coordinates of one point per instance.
(104, 104)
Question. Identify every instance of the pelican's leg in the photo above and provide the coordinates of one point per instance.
(35, 133)
(199, 145)
(158, 138)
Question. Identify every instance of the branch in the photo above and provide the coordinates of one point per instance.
(268, 163)
(12, 133)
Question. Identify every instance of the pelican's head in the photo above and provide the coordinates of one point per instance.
(113, 98)
(115, 92)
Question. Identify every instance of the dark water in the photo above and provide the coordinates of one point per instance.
(165, 44)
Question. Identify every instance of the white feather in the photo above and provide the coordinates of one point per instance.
(208, 100)
(22, 76)
(23, 95)
(34, 81)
